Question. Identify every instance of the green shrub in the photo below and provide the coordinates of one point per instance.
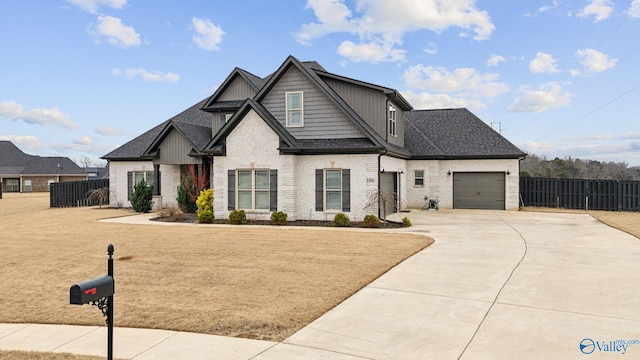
(371, 221)
(237, 217)
(142, 197)
(278, 218)
(205, 206)
(184, 202)
(341, 220)
(406, 222)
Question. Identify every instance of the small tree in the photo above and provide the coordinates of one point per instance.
(142, 197)
(100, 195)
(205, 206)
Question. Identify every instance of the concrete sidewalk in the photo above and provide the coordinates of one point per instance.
(495, 285)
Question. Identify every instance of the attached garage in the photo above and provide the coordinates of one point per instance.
(479, 190)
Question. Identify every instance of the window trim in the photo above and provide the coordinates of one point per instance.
(253, 190)
(327, 190)
(416, 178)
(147, 174)
(393, 122)
(28, 185)
(14, 186)
(287, 109)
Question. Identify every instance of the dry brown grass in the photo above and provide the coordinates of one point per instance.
(628, 222)
(254, 282)
(30, 355)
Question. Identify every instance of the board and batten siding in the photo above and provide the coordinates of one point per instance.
(371, 105)
(238, 89)
(174, 149)
(322, 119)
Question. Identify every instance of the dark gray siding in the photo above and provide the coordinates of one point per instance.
(371, 105)
(174, 149)
(238, 89)
(322, 119)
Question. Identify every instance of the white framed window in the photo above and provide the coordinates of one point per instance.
(418, 178)
(333, 189)
(27, 185)
(295, 109)
(253, 189)
(134, 177)
(12, 185)
(393, 131)
(224, 117)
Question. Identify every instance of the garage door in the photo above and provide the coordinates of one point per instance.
(478, 190)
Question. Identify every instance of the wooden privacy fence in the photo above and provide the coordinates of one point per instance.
(585, 194)
(76, 193)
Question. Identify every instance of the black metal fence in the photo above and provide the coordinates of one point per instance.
(76, 193)
(585, 194)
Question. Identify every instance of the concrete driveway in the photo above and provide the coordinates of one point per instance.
(495, 285)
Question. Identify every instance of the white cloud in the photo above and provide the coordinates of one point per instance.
(599, 9)
(371, 52)
(545, 97)
(383, 23)
(24, 142)
(107, 130)
(39, 116)
(494, 60)
(634, 9)
(544, 8)
(208, 36)
(425, 100)
(92, 6)
(431, 48)
(465, 82)
(543, 63)
(83, 140)
(595, 61)
(146, 75)
(116, 32)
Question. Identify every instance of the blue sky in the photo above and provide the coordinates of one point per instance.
(559, 78)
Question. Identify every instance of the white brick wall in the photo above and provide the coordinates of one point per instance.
(118, 180)
(169, 180)
(253, 145)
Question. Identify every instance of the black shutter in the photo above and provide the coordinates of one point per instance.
(273, 190)
(319, 190)
(129, 184)
(231, 190)
(346, 190)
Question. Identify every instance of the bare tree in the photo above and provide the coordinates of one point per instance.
(100, 195)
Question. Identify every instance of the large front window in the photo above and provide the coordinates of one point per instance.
(13, 185)
(333, 190)
(135, 177)
(295, 109)
(253, 189)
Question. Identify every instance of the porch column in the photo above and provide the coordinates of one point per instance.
(156, 174)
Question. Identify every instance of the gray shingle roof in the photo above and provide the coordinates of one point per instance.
(134, 149)
(454, 133)
(15, 162)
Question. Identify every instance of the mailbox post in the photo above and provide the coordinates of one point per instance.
(98, 292)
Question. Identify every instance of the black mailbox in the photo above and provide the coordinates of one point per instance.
(91, 290)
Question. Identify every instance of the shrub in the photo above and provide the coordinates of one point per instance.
(341, 220)
(184, 202)
(142, 197)
(205, 206)
(406, 222)
(371, 221)
(238, 217)
(278, 218)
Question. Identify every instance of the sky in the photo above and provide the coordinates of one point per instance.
(557, 78)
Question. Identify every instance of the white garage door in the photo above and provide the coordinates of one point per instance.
(478, 190)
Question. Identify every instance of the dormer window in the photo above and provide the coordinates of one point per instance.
(294, 111)
(392, 121)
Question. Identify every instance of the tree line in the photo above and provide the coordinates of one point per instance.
(570, 168)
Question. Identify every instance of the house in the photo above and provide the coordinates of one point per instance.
(312, 143)
(20, 172)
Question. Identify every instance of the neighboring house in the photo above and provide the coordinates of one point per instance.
(311, 143)
(96, 173)
(20, 172)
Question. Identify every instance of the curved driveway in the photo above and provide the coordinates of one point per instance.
(495, 285)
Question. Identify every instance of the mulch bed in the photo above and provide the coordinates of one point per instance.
(191, 218)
